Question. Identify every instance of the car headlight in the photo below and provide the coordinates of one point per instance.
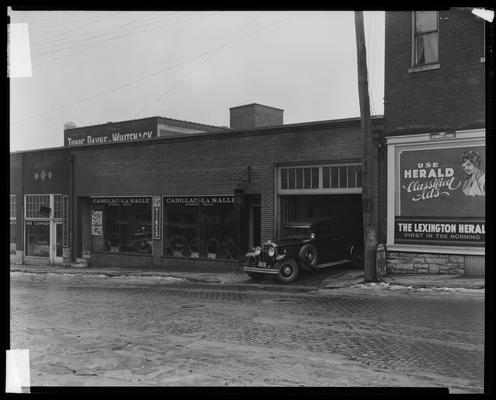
(257, 250)
(271, 252)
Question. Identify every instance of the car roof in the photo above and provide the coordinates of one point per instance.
(312, 221)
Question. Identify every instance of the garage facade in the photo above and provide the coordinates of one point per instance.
(202, 196)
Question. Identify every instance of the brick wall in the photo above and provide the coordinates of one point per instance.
(425, 263)
(53, 161)
(210, 165)
(451, 97)
(23, 167)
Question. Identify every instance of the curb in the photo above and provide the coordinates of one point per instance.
(350, 283)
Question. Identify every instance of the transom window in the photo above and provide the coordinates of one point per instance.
(35, 201)
(322, 178)
(425, 38)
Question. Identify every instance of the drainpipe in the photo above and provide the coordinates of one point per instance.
(72, 203)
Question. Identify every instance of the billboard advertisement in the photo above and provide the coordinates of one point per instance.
(442, 195)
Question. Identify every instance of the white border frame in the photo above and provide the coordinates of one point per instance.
(397, 144)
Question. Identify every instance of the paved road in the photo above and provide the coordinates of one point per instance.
(145, 331)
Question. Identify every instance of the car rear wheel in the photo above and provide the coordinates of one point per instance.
(288, 271)
(309, 254)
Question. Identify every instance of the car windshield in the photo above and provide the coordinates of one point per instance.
(296, 231)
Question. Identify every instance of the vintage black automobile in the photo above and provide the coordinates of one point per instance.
(310, 244)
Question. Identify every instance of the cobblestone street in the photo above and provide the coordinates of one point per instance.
(90, 330)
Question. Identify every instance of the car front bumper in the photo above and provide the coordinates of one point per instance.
(261, 270)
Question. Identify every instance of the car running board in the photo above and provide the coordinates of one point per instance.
(331, 264)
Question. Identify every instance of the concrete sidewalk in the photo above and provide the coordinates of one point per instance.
(348, 279)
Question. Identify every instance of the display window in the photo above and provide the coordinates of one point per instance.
(121, 224)
(200, 227)
(13, 232)
(38, 238)
(13, 225)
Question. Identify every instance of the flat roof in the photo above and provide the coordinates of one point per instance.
(255, 104)
(226, 133)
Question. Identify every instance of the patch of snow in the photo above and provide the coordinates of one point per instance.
(148, 277)
(389, 286)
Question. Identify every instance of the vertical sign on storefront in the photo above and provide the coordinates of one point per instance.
(97, 223)
(156, 217)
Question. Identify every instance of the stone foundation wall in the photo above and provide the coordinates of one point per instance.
(425, 263)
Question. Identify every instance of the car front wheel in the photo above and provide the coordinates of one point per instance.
(288, 271)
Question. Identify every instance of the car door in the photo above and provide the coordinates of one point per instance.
(324, 241)
(337, 243)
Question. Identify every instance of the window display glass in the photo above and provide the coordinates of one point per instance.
(13, 233)
(200, 227)
(38, 238)
(121, 224)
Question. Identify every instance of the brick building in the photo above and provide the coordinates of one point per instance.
(158, 191)
(434, 121)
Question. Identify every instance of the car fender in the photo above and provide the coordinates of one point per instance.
(250, 254)
(281, 257)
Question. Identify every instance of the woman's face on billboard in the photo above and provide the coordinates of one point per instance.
(469, 167)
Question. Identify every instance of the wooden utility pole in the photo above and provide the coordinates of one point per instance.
(369, 159)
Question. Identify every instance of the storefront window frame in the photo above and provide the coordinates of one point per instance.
(13, 221)
(103, 208)
(32, 203)
(204, 254)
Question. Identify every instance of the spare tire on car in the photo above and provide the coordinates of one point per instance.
(309, 254)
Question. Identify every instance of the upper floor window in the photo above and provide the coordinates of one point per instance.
(425, 38)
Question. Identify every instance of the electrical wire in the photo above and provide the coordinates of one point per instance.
(197, 67)
(76, 40)
(97, 43)
(52, 25)
(76, 28)
(147, 76)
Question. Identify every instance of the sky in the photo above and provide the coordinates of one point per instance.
(93, 67)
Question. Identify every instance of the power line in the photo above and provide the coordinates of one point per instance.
(71, 40)
(76, 28)
(148, 76)
(52, 25)
(196, 68)
(113, 38)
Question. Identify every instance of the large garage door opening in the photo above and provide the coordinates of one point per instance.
(318, 191)
(303, 207)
